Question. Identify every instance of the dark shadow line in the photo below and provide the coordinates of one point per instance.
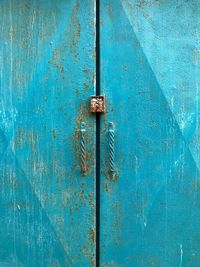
(98, 140)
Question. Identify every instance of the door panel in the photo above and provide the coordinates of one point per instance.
(150, 75)
(47, 66)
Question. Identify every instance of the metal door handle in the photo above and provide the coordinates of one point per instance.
(111, 133)
(83, 150)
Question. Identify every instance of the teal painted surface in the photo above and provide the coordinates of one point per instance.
(150, 75)
(47, 72)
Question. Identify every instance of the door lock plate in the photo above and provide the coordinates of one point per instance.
(97, 104)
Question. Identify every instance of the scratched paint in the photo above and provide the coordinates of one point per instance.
(150, 75)
(47, 72)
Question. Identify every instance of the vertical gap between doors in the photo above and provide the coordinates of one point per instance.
(98, 92)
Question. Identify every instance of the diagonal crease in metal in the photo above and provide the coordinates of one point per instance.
(158, 32)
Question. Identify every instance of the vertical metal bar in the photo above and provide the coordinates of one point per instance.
(83, 150)
(111, 132)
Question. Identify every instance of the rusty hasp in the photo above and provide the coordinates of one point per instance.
(97, 104)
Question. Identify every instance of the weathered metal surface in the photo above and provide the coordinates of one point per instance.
(47, 214)
(97, 104)
(150, 70)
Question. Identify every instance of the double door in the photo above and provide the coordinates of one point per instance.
(119, 188)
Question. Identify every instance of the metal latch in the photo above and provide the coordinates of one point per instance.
(97, 104)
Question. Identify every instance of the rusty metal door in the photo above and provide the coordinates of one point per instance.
(47, 66)
(150, 135)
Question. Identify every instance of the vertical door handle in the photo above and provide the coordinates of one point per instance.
(111, 133)
(83, 150)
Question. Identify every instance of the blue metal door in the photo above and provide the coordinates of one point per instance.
(47, 66)
(150, 186)
(149, 149)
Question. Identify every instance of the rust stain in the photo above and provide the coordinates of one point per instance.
(26, 137)
(75, 31)
(112, 264)
(54, 134)
(111, 177)
(89, 78)
(86, 85)
(92, 235)
(57, 61)
(106, 187)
